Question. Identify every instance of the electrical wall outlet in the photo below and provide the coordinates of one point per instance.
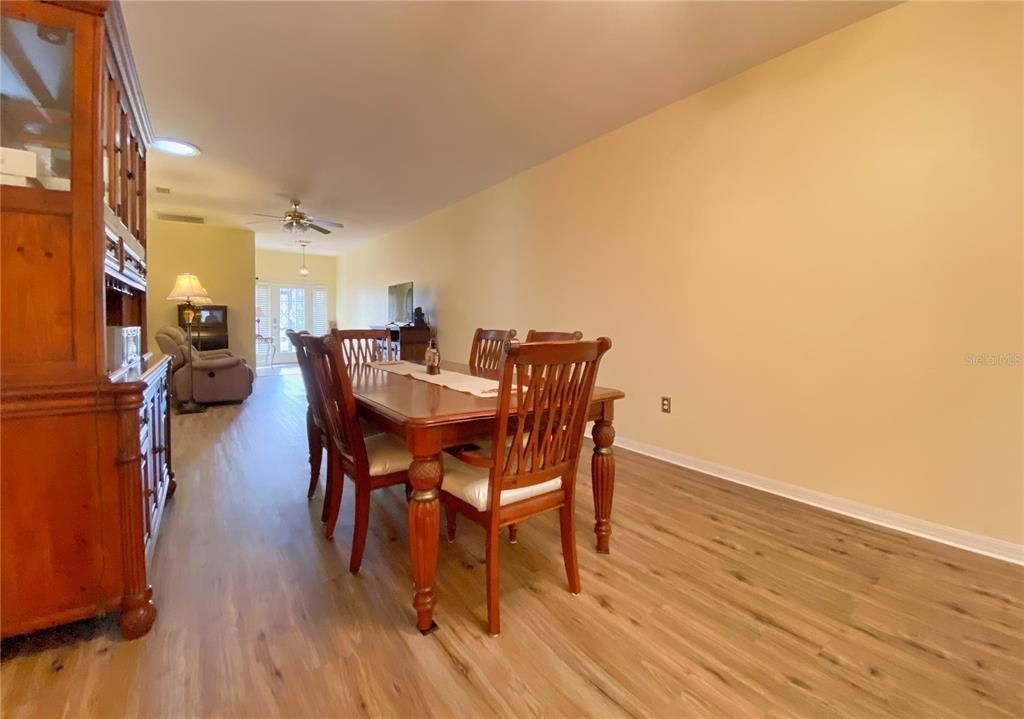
(666, 405)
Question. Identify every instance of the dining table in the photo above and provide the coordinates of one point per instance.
(430, 417)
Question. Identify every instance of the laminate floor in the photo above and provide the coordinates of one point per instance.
(717, 600)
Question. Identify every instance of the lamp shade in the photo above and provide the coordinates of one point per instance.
(204, 300)
(187, 287)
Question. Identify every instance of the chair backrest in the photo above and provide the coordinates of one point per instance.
(337, 403)
(308, 381)
(545, 336)
(362, 346)
(172, 342)
(541, 417)
(485, 352)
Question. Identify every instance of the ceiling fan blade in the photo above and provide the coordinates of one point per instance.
(260, 214)
(259, 222)
(326, 222)
(321, 230)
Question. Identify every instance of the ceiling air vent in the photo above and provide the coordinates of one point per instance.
(181, 218)
(163, 190)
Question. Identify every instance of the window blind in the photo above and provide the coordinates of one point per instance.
(319, 311)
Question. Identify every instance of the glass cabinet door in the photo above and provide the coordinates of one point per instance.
(105, 135)
(37, 87)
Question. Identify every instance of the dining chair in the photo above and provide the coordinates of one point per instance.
(371, 461)
(544, 336)
(485, 352)
(316, 429)
(535, 449)
(362, 346)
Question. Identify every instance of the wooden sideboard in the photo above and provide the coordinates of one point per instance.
(209, 326)
(85, 459)
(409, 341)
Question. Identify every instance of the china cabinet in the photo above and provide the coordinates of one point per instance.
(85, 464)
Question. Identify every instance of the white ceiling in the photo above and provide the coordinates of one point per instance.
(376, 114)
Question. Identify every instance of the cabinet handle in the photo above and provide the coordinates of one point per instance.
(144, 420)
(158, 449)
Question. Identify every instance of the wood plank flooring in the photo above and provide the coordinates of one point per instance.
(717, 600)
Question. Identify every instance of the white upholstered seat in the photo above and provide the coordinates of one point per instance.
(385, 454)
(472, 485)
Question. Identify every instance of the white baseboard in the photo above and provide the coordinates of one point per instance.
(997, 548)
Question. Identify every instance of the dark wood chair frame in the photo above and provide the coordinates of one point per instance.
(485, 352)
(363, 346)
(546, 336)
(346, 447)
(546, 425)
(316, 431)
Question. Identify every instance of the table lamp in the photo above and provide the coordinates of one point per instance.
(188, 289)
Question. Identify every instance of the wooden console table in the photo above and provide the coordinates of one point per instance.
(411, 340)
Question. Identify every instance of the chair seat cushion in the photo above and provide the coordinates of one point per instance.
(473, 485)
(386, 453)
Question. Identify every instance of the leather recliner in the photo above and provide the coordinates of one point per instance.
(211, 376)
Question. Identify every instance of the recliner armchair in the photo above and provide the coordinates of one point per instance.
(211, 376)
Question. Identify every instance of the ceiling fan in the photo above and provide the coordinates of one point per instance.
(297, 221)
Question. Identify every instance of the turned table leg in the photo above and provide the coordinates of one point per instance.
(602, 472)
(424, 522)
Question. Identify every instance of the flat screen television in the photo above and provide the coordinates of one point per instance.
(400, 303)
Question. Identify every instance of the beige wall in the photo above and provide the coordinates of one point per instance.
(223, 259)
(283, 268)
(803, 257)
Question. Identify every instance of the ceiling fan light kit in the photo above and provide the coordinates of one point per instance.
(297, 222)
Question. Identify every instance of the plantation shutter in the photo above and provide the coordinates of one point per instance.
(319, 311)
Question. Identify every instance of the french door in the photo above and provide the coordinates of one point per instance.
(280, 308)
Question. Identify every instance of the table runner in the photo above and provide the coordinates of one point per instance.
(398, 367)
(477, 386)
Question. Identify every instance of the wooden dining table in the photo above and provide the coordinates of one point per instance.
(430, 418)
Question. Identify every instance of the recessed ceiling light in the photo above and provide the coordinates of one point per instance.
(176, 147)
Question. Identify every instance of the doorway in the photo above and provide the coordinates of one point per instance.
(280, 308)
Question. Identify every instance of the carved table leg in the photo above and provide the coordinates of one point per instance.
(424, 522)
(602, 472)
